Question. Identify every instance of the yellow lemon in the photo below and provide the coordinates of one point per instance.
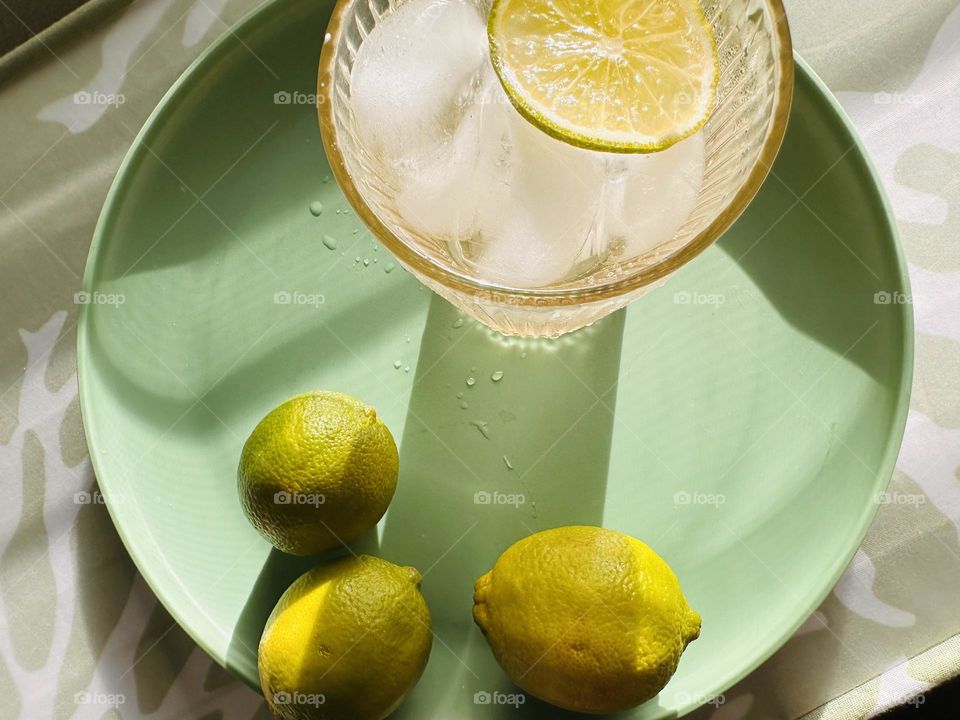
(614, 75)
(317, 471)
(585, 618)
(346, 641)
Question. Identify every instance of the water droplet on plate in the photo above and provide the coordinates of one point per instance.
(330, 242)
(481, 425)
(497, 376)
(316, 207)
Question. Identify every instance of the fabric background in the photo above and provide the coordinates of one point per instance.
(81, 636)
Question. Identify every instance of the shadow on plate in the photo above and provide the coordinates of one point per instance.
(504, 437)
(814, 241)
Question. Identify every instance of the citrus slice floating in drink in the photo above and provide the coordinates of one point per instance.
(615, 75)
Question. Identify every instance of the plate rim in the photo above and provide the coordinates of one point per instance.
(223, 44)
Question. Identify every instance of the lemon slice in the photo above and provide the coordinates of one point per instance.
(613, 75)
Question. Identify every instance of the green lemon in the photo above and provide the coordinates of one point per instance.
(613, 75)
(347, 641)
(317, 471)
(585, 618)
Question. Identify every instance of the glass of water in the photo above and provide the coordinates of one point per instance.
(527, 234)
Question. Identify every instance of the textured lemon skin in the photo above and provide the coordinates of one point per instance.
(585, 618)
(348, 640)
(331, 458)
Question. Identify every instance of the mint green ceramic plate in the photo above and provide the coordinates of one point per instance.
(741, 419)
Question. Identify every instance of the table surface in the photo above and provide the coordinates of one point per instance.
(80, 631)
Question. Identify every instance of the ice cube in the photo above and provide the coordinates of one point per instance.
(465, 179)
(652, 195)
(553, 215)
(410, 73)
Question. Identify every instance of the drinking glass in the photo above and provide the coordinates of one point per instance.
(741, 140)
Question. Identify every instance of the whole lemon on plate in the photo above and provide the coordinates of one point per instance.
(585, 618)
(319, 470)
(347, 641)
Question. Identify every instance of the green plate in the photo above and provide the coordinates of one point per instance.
(741, 420)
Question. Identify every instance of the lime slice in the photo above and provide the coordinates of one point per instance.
(614, 75)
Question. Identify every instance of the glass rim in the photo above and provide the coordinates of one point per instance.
(546, 297)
